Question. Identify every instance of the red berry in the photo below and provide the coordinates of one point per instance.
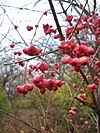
(29, 28)
(84, 60)
(20, 89)
(52, 73)
(12, 45)
(70, 120)
(81, 119)
(83, 96)
(86, 122)
(56, 36)
(56, 66)
(37, 79)
(32, 50)
(43, 66)
(29, 86)
(72, 112)
(17, 53)
(66, 59)
(45, 13)
(42, 90)
(15, 27)
(74, 108)
(81, 90)
(92, 87)
(36, 25)
(59, 83)
(21, 63)
(55, 88)
(69, 18)
(89, 127)
(90, 51)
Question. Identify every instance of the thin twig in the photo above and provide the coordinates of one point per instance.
(56, 20)
(38, 56)
(1, 110)
(78, 20)
(14, 25)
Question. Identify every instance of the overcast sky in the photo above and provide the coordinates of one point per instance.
(22, 18)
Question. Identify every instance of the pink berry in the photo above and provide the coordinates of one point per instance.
(29, 28)
(92, 87)
(12, 45)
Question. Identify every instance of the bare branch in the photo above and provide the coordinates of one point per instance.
(1, 110)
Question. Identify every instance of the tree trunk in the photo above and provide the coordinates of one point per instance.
(98, 123)
(98, 109)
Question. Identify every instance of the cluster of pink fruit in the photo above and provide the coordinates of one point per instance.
(95, 24)
(32, 50)
(76, 55)
(48, 29)
(24, 88)
(42, 66)
(41, 83)
(92, 87)
(81, 120)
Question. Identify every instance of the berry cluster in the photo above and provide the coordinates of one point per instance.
(32, 50)
(41, 83)
(24, 88)
(50, 84)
